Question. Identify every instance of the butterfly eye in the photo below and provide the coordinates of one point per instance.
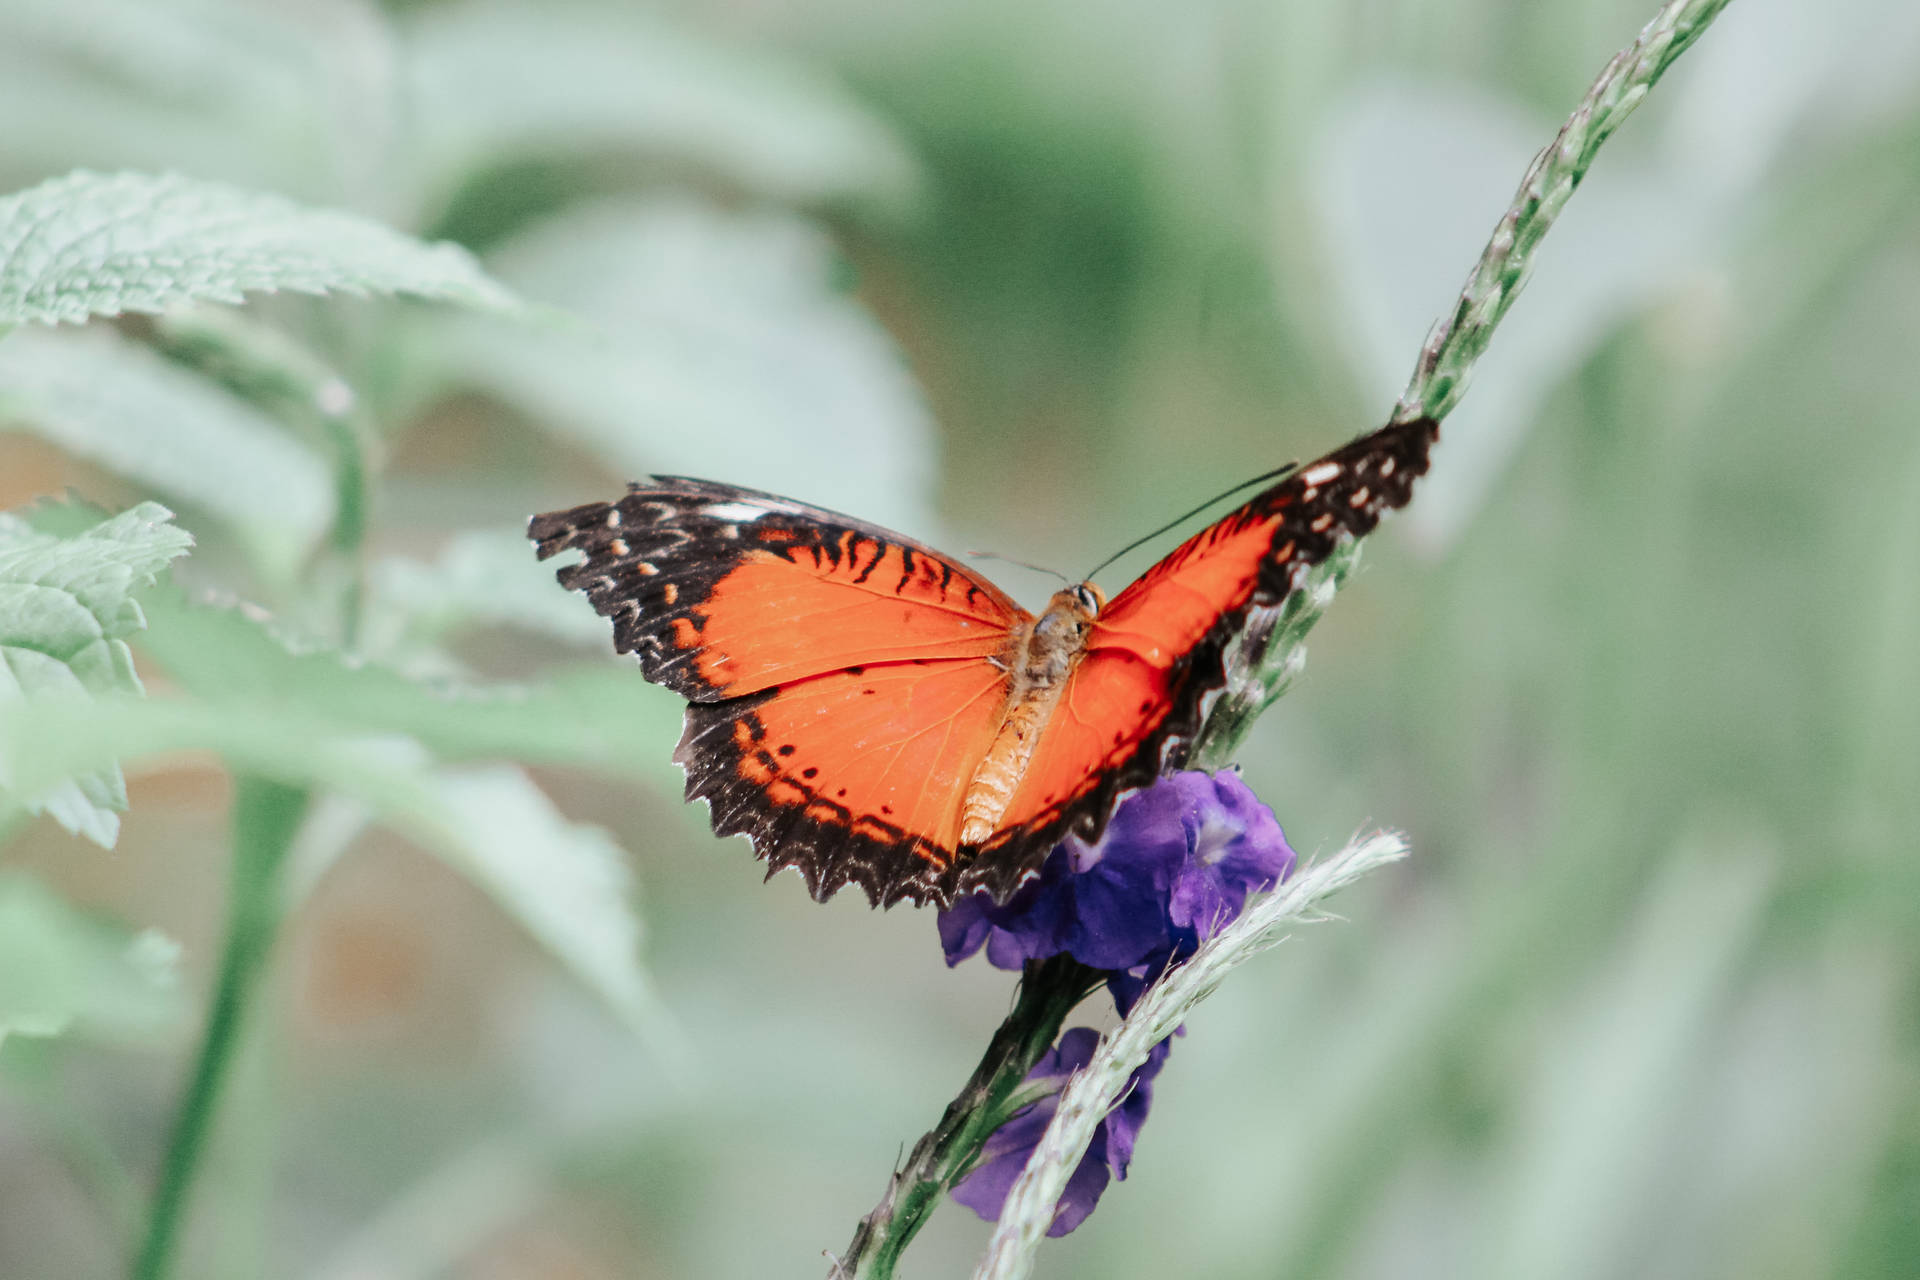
(1088, 597)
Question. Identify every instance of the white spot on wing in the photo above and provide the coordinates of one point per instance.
(1320, 474)
(743, 512)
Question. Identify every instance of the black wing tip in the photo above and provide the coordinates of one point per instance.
(552, 532)
(656, 487)
(1411, 441)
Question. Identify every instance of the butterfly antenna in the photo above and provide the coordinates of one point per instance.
(1175, 523)
(1037, 568)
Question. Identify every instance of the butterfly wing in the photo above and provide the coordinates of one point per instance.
(722, 591)
(856, 776)
(842, 681)
(1135, 702)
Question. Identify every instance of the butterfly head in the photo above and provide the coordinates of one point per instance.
(1071, 611)
(1088, 598)
(1060, 633)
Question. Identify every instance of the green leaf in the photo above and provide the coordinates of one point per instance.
(482, 578)
(567, 884)
(624, 81)
(601, 716)
(94, 244)
(722, 345)
(61, 970)
(273, 96)
(356, 731)
(269, 368)
(116, 403)
(66, 609)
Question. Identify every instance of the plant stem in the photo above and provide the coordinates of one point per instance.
(267, 369)
(265, 818)
(1271, 652)
(1049, 990)
(1098, 1087)
(1269, 656)
(1272, 649)
(1458, 339)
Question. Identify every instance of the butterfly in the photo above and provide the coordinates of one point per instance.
(870, 712)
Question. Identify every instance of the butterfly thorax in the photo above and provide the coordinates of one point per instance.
(1038, 660)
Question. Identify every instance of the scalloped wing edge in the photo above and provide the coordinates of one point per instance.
(830, 856)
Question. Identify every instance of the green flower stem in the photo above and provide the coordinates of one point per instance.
(1097, 1088)
(352, 449)
(1270, 654)
(1459, 338)
(1272, 648)
(1265, 663)
(265, 817)
(1049, 990)
(265, 368)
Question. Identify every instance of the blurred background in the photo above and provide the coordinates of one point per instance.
(1638, 674)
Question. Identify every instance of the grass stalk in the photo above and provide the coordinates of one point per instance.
(265, 817)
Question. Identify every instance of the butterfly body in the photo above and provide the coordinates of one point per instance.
(1042, 654)
(868, 711)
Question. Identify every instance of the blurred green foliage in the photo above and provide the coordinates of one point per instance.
(1636, 673)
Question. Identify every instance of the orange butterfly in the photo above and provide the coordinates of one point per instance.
(868, 711)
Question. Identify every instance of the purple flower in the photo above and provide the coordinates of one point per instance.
(985, 1188)
(1176, 863)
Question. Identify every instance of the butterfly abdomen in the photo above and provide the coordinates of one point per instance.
(1039, 663)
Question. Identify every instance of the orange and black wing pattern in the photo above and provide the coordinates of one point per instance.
(843, 681)
(1134, 704)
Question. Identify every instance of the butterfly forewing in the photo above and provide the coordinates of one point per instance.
(842, 680)
(722, 591)
(1134, 704)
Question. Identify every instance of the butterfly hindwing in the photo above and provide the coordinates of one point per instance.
(856, 776)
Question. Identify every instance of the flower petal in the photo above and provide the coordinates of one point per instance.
(1005, 1154)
